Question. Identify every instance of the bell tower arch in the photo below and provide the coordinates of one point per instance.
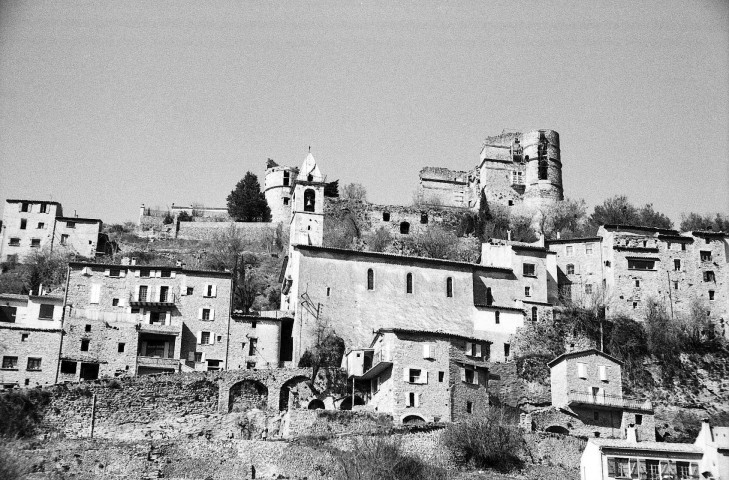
(307, 211)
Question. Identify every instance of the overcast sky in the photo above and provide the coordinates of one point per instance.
(105, 105)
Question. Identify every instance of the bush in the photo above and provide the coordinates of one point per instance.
(183, 216)
(487, 442)
(12, 466)
(378, 458)
(21, 412)
(379, 240)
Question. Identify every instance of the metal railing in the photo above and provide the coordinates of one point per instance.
(169, 298)
(588, 398)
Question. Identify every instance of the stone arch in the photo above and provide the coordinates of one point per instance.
(247, 395)
(296, 392)
(413, 420)
(316, 404)
(309, 200)
(559, 429)
(347, 402)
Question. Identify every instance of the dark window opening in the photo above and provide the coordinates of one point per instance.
(676, 265)
(309, 200)
(497, 317)
(285, 201)
(14, 242)
(441, 377)
(711, 294)
(87, 328)
(310, 178)
(635, 264)
(507, 350)
(7, 314)
(252, 347)
(89, 371)
(23, 223)
(286, 178)
(70, 224)
(489, 296)
(46, 311)
(120, 348)
(35, 242)
(404, 228)
(85, 345)
(705, 256)
(543, 168)
(24, 336)
(43, 208)
(114, 272)
(409, 283)
(24, 207)
(639, 419)
(155, 318)
(190, 290)
(142, 293)
(164, 293)
(449, 287)
(34, 364)
(637, 283)
(114, 302)
(424, 218)
(370, 279)
(469, 407)
(709, 277)
(68, 367)
(529, 270)
(534, 314)
(64, 238)
(385, 216)
(166, 274)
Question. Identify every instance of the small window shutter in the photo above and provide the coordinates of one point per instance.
(122, 302)
(463, 374)
(581, 370)
(417, 400)
(212, 314)
(173, 274)
(426, 351)
(469, 348)
(199, 313)
(147, 317)
(158, 273)
(475, 376)
(107, 272)
(168, 318)
(478, 349)
(406, 374)
(603, 372)
(95, 293)
(212, 338)
(424, 377)
(199, 337)
(183, 285)
(190, 356)
(215, 290)
(205, 291)
(154, 294)
(136, 293)
(611, 466)
(123, 272)
(137, 273)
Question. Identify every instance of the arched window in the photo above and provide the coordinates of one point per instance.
(570, 269)
(309, 200)
(423, 218)
(543, 169)
(404, 228)
(449, 287)
(310, 178)
(370, 279)
(409, 283)
(534, 314)
(385, 216)
(497, 317)
(489, 296)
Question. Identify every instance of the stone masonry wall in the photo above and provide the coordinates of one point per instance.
(253, 231)
(25, 343)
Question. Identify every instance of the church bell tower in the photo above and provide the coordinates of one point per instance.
(307, 210)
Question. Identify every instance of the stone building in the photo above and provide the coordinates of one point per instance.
(277, 184)
(256, 340)
(30, 339)
(634, 457)
(32, 225)
(514, 168)
(630, 266)
(139, 319)
(416, 375)
(588, 400)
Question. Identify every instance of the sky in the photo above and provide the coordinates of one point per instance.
(106, 105)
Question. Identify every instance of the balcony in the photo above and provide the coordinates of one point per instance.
(160, 329)
(166, 301)
(611, 401)
(158, 362)
(381, 361)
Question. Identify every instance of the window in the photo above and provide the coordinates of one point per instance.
(154, 319)
(70, 224)
(143, 293)
(404, 228)
(144, 272)
(43, 208)
(705, 256)
(709, 277)
(155, 348)
(569, 250)
(489, 296)
(24, 336)
(683, 247)
(414, 375)
(602, 369)
(24, 207)
(120, 348)
(34, 364)
(653, 469)
(635, 305)
(636, 264)
(529, 270)
(581, 370)
(534, 314)
(250, 365)
(205, 314)
(46, 311)
(469, 407)
(570, 269)
(12, 258)
(588, 288)
(23, 223)
(637, 283)
(252, 347)
(385, 216)
(14, 242)
(285, 201)
(543, 168)
(711, 294)
(310, 178)
(286, 178)
(35, 242)
(588, 249)
(676, 265)
(190, 290)
(527, 291)
(205, 338)
(210, 290)
(497, 317)
(511, 203)
(638, 419)
(507, 350)
(198, 357)
(596, 415)
(441, 377)
(329, 291)
(370, 279)
(64, 239)
(675, 285)
(87, 328)
(68, 367)
(254, 323)
(164, 294)
(413, 400)
(10, 362)
(166, 273)
(115, 272)
(114, 302)
(424, 218)
(85, 345)
(309, 200)
(468, 375)
(409, 283)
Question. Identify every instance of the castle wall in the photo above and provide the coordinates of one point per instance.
(450, 188)
(252, 231)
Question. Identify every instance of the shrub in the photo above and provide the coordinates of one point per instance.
(487, 442)
(21, 412)
(168, 219)
(378, 458)
(12, 466)
(380, 240)
(184, 217)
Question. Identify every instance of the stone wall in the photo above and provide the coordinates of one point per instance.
(25, 343)
(298, 423)
(251, 231)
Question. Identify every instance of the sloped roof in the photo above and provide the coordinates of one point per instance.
(643, 446)
(583, 353)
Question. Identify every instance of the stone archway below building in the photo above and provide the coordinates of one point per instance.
(413, 420)
(558, 429)
(247, 395)
(316, 404)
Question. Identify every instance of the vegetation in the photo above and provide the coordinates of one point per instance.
(618, 210)
(246, 203)
(12, 465)
(379, 240)
(379, 458)
(21, 411)
(183, 216)
(354, 192)
(695, 221)
(327, 351)
(486, 442)
(41, 267)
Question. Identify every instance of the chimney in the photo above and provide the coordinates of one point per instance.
(134, 261)
(559, 235)
(705, 432)
(630, 434)
(508, 235)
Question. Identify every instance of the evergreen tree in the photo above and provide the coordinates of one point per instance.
(246, 203)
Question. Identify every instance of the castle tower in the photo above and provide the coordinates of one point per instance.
(277, 188)
(543, 180)
(307, 204)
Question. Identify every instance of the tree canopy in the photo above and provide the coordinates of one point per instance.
(246, 203)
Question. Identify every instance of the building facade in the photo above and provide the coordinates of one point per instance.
(418, 376)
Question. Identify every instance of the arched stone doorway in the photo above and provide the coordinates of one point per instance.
(557, 429)
(316, 404)
(413, 420)
(347, 402)
(295, 393)
(247, 395)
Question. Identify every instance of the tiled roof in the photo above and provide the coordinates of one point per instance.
(160, 267)
(79, 219)
(428, 332)
(574, 240)
(32, 201)
(655, 446)
(617, 226)
(583, 353)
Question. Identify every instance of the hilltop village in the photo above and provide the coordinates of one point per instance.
(421, 340)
